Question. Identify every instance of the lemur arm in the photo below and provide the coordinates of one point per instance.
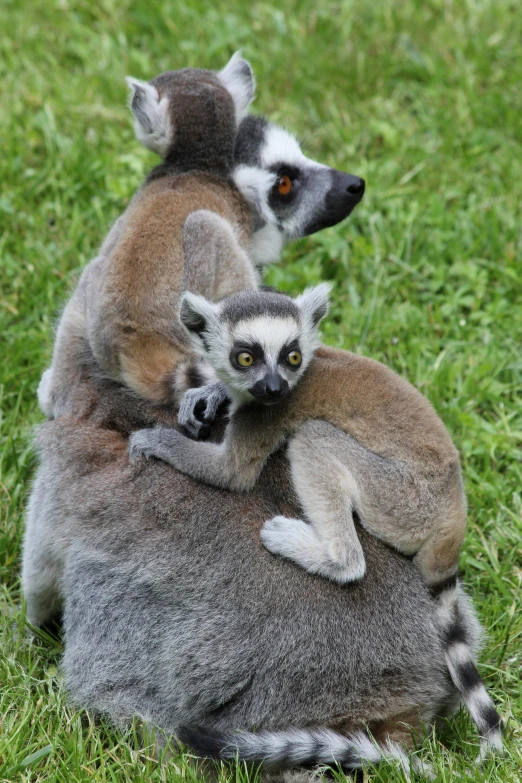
(234, 464)
(215, 263)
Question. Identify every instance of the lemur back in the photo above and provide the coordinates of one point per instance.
(230, 191)
(396, 471)
(120, 312)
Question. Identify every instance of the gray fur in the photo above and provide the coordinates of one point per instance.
(174, 613)
(240, 308)
(250, 139)
(167, 112)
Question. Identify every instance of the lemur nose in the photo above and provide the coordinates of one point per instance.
(273, 388)
(356, 188)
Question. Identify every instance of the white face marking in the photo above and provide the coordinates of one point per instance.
(271, 334)
(282, 147)
(255, 184)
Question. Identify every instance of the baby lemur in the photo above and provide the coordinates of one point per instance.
(230, 191)
(397, 470)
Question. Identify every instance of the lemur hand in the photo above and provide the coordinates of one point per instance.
(159, 442)
(199, 408)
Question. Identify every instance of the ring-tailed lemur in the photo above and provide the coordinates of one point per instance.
(397, 469)
(230, 191)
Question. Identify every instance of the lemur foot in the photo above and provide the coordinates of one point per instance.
(199, 408)
(299, 541)
(157, 442)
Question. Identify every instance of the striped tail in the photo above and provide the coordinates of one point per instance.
(463, 670)
(295, 747)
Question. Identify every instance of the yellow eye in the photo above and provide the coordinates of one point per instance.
(245, 359)
(294, 358)
(284, 186)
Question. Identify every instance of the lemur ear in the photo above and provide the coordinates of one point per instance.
(238, 78)
(152, 122)
(196, 313)
(314, 302)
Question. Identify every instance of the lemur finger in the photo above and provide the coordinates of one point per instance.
(216, 397)
(191, 411)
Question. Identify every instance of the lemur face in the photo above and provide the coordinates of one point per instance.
(259, 343)
(291, 195)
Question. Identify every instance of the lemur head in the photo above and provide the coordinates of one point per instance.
(189, 117)
(258, 342)
(290, 195)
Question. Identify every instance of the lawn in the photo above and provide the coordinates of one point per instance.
(422, 99)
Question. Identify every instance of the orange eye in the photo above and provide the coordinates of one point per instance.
(284, 185)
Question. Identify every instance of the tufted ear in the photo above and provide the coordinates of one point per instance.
(151, 114)
(314, 302)
(238, 78)
(197, 315)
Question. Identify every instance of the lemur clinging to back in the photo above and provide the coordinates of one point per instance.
(397, 468)
(230, 191)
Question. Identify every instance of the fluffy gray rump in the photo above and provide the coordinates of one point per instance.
(175, 613)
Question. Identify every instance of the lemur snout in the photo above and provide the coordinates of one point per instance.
(346, 188)
(272, 388)
(355, 186)
(344, 193)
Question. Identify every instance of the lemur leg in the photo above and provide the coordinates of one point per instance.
(215, 263)
(437, 558)
(215, 267)
(328, 493)
(43, 557)
(394, 501)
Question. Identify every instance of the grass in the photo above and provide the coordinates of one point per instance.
(424, 100)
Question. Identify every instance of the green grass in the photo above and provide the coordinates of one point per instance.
(423, 99)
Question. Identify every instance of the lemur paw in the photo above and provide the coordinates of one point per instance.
(199, 408)
(283, 535)
(142, 443)
(300, 542)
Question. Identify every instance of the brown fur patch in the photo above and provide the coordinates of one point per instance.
(136, 335)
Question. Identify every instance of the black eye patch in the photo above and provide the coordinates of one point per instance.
(285, 350)
(254, 348)
(286, 186)
(283, 169)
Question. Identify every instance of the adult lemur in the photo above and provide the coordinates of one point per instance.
(223, 201)
(398, 469)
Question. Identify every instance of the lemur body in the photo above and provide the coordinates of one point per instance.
(203, 220)
(397, 468)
